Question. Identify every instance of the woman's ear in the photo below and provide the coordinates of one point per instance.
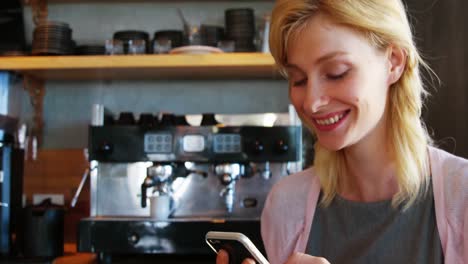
(397, 60)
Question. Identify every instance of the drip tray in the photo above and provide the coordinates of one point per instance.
(137, 235)
(215, 216)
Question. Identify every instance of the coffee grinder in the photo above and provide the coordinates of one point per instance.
(11, 164)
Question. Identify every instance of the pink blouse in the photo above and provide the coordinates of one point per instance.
(289, 210)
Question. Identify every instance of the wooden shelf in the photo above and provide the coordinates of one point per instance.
(27, 2)
(133, 67)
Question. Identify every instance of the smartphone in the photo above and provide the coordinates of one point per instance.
(237, 245)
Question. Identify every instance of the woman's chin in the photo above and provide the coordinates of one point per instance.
(331, 146)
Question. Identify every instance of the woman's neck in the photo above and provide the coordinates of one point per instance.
(370, 172)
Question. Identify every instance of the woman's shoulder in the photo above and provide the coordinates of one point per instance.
(284, 215)
(447, 161)
(449, 171)
(450, 185)
(296, 184)
(290, 195)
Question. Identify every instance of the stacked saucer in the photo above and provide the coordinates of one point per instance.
(52, 38)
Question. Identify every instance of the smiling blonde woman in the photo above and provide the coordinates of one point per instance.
(378, 192)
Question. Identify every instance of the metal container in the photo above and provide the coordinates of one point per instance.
(42, 232)
(11, 94)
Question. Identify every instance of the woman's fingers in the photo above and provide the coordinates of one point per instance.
(299, 258)
(248, 261)
(222, 257)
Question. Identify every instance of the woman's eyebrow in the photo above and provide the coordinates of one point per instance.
(330, 56)
(320, 60)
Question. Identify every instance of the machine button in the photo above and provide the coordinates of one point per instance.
(236, 148)
(106, 148)
(193, 143)
(167, 148)
(281, 147)
(133, 238)
(258, 147)
(228, 148)
(219, 148)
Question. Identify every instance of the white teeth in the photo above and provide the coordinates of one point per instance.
(329, 121)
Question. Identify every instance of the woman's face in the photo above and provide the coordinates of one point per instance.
(338, 83)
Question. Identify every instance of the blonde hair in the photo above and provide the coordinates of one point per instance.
(384, 23)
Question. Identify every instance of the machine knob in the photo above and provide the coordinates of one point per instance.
(106, 148)
(258, 147)
(281, 147)
(133, 238)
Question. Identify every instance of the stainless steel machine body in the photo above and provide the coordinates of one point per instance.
(165, 184)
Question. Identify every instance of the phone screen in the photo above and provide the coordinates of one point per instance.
(236, 250)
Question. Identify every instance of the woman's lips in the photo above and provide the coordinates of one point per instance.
(330, 121)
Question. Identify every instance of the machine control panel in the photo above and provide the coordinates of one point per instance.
(197, 144)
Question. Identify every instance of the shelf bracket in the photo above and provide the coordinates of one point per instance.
(39, 10)
(36, 90)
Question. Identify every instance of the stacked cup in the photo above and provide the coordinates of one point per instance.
(240, 27)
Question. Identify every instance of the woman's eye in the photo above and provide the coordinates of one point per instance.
(335, 77)
(300, 82)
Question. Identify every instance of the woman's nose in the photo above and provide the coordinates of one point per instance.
(315, 99)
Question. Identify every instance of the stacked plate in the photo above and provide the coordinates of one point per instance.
(52, 38)
(240, 27)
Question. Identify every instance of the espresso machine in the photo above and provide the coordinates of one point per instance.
(11, 164)
(160, 183)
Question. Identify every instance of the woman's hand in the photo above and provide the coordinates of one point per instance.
(223, 258)
(299, 258)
